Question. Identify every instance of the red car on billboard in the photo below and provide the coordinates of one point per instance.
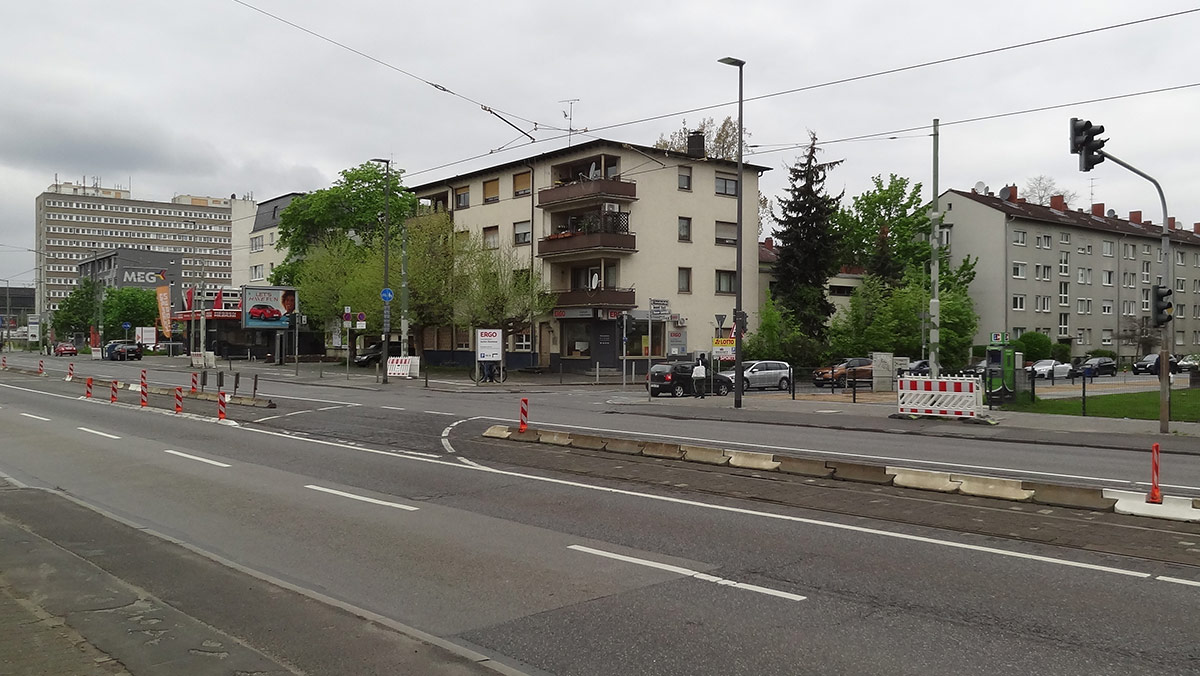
(265, 312)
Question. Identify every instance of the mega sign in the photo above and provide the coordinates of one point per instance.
(136, 276)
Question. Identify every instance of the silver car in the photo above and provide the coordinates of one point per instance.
(765, 374)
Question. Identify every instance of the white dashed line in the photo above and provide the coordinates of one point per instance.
(1176, 580)
(270, 417)
(101, 434)
(392, 408)
(297, 412)
(362, 498)
(35, 417)
(439, 413)
(197, 458)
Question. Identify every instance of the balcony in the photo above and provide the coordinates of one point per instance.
(591, 233)
(609, 297)
(599, 190)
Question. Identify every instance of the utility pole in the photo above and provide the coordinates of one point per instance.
(935, 237)
(739, 314)
(387, 304)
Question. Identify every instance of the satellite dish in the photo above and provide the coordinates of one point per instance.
(1111, 213)
(595, 281)
(594, 171)
(980, 187)
(1005, 193)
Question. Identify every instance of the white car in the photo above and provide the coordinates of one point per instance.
(1045, 367)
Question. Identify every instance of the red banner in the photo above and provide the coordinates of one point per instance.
(164, 309)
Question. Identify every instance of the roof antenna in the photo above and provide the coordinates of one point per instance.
(570, 117)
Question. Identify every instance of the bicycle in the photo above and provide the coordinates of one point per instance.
(497, 372)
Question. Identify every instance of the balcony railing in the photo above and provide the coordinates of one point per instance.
(602, 297)
(601, 230)
(588, 189)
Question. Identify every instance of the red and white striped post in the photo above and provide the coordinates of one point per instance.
(524, 415)
(195, 381)
(220, 405)
(143, 388)
(1155, 495)
(113, 397)
(71, 371)
(179, 400)
(41, 367)
(4, 363)
(88, 394)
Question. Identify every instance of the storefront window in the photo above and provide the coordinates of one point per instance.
(638, 344)
(576, 340)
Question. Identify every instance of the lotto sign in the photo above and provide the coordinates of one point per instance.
(723, 348)
(489, 344)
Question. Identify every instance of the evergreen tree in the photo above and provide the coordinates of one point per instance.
(809, 245)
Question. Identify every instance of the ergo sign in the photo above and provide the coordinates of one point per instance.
(489, 344)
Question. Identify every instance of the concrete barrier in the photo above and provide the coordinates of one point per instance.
(588, 441)
(1134, 503)
(751, 460)
(530, 434)
(803, 466)
(554, 437)
(655, 449)
(497, 432)
(923, 479)
(704, 454)
(626, 446)
(991, 487)
(1069, 496)
(855, 471)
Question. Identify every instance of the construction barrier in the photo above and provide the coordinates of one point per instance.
(113, 397)
(4, 363)
(1155, 495)
(179, 400)
(403, 367)
(524, 415)
(195, 381)
(41, 368)
(143, 388)
(88, 394)
(71, 371)
(220, 405)
(945, 397)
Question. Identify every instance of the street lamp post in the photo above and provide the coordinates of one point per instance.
(387, 247)
(738, 314)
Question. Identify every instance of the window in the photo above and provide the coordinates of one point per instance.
(1180, 258)
(1126, 308)
(1145, 249)
(1180, 284)
(1145, 272)
(1084, 306)
(1041, 272)
(1180, 311)
(726, 280)
(462, 339)
(1064, 294)
(522, 232)
(521, 184)
(685, 229)
(491, 191)
(1128, 251)
(1064, 324)
(1018, 301)
(685, 280)
(685, 178)
(1106, 336)
(272, 235)
(1109, 246)
(1064, 263)
(1197, 260)
(256, 244)
(1106, 307)
(1106, 277)
(256, 273)
(1145, 300)
(1041, 304)
(1018, 270)
(462, 198)
(1160, 254)
(523, 342)
(1196, 286)
(1018, 238)
(1085, 275)
(726, 233)
(1179, 337)
(491, 237)
(1018, 331)
(727, 184)
(1064, 238)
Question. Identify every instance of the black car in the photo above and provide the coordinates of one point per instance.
(676, 380)
(371, 354)
(919, 367)
(1149, 364)
(123, 351)
(1099, 366)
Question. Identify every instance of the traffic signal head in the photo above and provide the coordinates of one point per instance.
(1085, 144)
(1162, 306)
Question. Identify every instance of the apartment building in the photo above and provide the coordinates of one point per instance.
(610, 226)
(255, 255)
(74, 222)
(1083, 278)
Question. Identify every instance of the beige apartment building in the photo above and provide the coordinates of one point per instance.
(255, 255)
(74, 222)
(610, 226)
(1084, 278)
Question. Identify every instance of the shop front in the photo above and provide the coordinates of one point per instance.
(614, 338)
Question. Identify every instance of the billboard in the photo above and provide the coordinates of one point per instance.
(268, 307)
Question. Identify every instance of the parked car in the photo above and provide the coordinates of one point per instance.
(371, 354)
(265, 312)
(1050, 368)
(122, 350)
(1149, 364)
(676, 379)
(762, 375)
(837, 375)
(62, 349)
(1190, 363)
(979, 368)
(919, 367)
(1099, 366)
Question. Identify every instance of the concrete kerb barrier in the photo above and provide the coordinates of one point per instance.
(924, 480)
(530, 434)
(856, 471)
(1134, 503)
(497, 432)
(704, 454)
(751, 460)
(554, 437)
(626, 446)
(991, 487)
(655, 449)
(588, 442)
(1069, 496)
(789, 464)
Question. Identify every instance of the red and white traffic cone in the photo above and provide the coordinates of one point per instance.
(88, 394)
(41, 367)
(195, 381)
(143, 388)
(524, 415)
(71, 371)
(220, 405)
(1155, 495)
(113, 397)
(179, 400)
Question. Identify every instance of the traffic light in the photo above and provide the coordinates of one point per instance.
(1162, 306)
(739, 322)
(1085, 144)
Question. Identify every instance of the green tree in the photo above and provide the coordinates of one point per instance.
(1034, 345)
(881, 225)
(1060, 352)
(79, 310)
(778, 337)
(139, 307)
(493, 288)
(868, 325)
(808, 244)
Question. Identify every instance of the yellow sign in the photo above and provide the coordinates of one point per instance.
(723, 347)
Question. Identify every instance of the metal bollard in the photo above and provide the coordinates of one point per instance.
(237, 379)
(203, 380)
(256, 386)
(220, 380)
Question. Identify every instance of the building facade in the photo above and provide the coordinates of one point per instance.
(610, 226)
(1083, 278)
(255, 255)
(76, 222)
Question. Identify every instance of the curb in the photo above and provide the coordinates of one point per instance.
(1014, 490)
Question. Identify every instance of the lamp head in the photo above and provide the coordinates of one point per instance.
(731, 61)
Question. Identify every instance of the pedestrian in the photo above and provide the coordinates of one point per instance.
(699, 374)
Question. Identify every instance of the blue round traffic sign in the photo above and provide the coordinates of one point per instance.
(387, 295)
(125, 325)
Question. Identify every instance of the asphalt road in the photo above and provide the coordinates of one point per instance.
(384, 510)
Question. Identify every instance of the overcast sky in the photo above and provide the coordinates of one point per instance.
(214, 98)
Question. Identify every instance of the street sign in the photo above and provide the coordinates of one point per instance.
(1000, 336)
(346, 310)
(346, 315)
(723, 348)
(386, 295)
(720, 321)
(489, 344)
(362, 317)
(660, 308)
(359, 325)
(126, 325)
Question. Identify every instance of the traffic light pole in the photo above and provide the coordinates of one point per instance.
(1164, 351)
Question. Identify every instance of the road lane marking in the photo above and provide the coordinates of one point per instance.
(423, 455)
(317, 401)
(438, 413)
(102, 434)
(1176, 580)
(392, 408)
(270, 417)
(373, 501)
(687, 572)
(197, 458)
(35, 417)
(468, 461)
(297, 412)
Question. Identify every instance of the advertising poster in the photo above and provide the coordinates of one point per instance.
(164, 309)
(489, 344)
(268, 307)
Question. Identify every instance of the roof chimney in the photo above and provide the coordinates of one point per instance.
(770, 243)
(1135, 217)
(695, 147)
(1196, 228)
(1058, 203)
(1098, 209)
(1171, 222)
